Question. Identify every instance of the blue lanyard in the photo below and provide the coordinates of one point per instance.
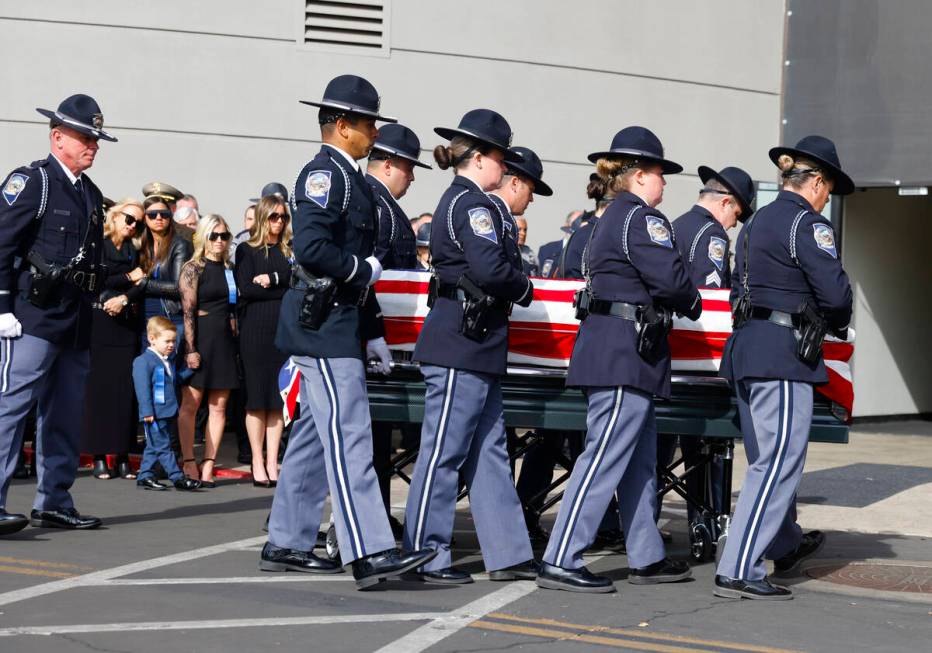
(231, 285)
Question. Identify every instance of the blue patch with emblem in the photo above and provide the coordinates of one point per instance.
(825, 238)
(717, 249)
(545, 270)
(480, 221)
(658, 231)
(317, 187)
(14, 186)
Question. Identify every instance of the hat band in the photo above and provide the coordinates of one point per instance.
(74, 123)
(484, 139)
(391, 150)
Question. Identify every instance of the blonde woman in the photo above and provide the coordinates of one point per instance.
(208, 297)
(110, 418)
(263, 271)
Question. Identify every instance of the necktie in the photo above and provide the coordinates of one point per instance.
(79, 188)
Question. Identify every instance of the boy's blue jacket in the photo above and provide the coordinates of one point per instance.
(155, 387)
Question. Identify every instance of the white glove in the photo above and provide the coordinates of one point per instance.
(377, 350)
(11, 328)
(376, 271)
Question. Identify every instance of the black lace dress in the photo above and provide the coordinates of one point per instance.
(208, 328)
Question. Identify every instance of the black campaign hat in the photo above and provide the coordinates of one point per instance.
(483, 126)
(639, 143)
(822, 151)
(272, 188)
(351, 94)
(737, 181)
(399, 141)
(81, 113)
(529, 166)
(422, 239)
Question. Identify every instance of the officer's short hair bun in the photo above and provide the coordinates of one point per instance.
(785, 162)
(458, 152)
(443, 155)
(597, 188)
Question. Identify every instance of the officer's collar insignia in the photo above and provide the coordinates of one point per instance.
(545, 270)
(658, 231)
(507, 224)
(825, 239)
(98, 121)
(717, 249)
(317, 187)
(480, 221)
(14, 186)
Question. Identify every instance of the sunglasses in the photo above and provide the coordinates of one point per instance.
(219, 235)
(277, 217)
(156, 214)
(130, 219)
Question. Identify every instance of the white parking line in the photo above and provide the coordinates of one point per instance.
(96, 577)
(203, 624)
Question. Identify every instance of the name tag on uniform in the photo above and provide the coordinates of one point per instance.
(61, 212)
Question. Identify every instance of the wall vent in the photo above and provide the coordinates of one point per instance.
(346, 25)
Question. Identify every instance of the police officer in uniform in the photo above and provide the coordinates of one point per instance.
(635, 279)
(570, 262)
(329, 324)
(462, 350)
(51, 229)
(390, 173)
(790, 288)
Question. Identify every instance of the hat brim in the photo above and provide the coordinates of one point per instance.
(450, 133)
(78, 126)
(349, 108)
(706, 173)
(844, 185)
(669, 167)
(540, 187)
(400, 155)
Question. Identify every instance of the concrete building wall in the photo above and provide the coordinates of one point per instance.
(885, 251)
(204, 95)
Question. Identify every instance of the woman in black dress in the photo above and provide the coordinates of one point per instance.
(110, 420)
(263, 272)
(208, 296)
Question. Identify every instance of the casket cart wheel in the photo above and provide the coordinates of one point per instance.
(332, 546)
(701, 548)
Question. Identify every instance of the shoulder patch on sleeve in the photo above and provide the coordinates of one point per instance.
(317, 187)
(825, 238)
(480, 221)
(658, 231)
(14, 186)
(718, 249)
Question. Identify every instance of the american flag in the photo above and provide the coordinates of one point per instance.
(289, 386)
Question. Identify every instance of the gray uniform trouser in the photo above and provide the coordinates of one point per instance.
(302, 486)
(33, 370)
(775, 419)
(339, 407)
(464, 428)
(620, 456)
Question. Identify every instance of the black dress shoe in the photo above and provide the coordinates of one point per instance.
(761, 590)
(664, 571)
(11, 522)
(149, 483)
(64, 518)
(552, 577)
(788, 565)
(187, 484)
(446, 576)
(275, 559)
(538, 535)
(527, 570)
(373, 569)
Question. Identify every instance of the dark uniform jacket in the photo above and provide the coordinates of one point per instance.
(703, 244)
(633, 259)
(510, 227)
(570, 265)
(793, 259)
(468, 239)
(549, 258)
(395, 247)
(68, 222)
(335, 222)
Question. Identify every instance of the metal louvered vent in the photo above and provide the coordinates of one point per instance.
(354, 25)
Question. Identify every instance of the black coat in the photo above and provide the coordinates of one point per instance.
(165, 287)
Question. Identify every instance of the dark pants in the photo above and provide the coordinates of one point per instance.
(158, 449)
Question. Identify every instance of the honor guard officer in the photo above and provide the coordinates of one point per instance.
(462, 349)
(390, 173)
(635, 278)
(570, 265)
(51, 222)
(329, 323)
(790, 289)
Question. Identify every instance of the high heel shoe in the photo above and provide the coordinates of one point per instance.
(208, 484)
(101, 471)
(123, 469)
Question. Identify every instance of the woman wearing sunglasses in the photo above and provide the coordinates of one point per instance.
(162, 252)
(208, 295)
(263, 271)
(110, 417)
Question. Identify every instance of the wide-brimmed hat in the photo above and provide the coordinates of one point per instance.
(81, 113)
(351, 94)
(822, 151)
(422, 238)
(639, 143)
(529, 166)
(483, 126)
(738, 183)
(401, 142)
(272, 188)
